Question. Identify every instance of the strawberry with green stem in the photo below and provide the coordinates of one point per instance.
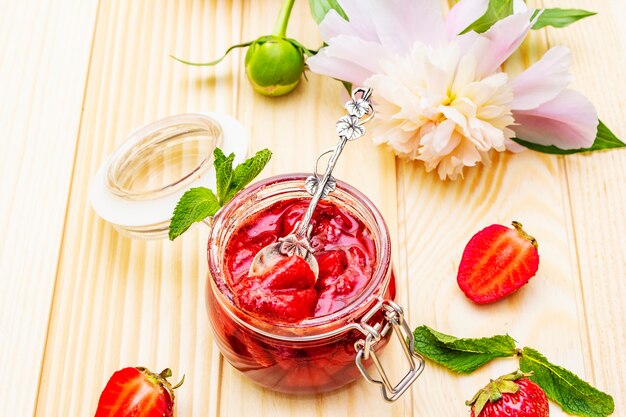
(511, 395)
(133, 392)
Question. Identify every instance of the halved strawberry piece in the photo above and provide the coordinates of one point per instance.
(291, 272)
(279, 305)
(332, 263)
(496, 262)
(284, 293)
(134, 392)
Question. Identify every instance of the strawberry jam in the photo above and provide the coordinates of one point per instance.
(286, 330)
(344, 249)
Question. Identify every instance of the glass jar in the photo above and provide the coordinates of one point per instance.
(138, 186)
(319, 354)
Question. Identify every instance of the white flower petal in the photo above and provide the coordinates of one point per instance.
(569, 121)
(323, 63)
(505, 36)
(441, 136)
(544, 80)
(397, 24)
(463, 14)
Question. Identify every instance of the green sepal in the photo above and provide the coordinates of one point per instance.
(214, 62)
(302, 48)
(492, 392)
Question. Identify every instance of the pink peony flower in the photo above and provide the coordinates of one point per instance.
(441, 97)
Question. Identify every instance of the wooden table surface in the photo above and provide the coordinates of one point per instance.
(78, 300)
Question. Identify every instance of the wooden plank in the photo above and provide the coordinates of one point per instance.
(121, 302)
(595, 185)
(44, 56)
(297, 128)
(440, 217)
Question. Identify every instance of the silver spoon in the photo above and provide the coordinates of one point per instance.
(298, 243)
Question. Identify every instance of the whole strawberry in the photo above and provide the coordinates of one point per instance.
(133, 392)
(511, 395)
(496, 262)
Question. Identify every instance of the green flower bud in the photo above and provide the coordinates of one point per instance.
(274, 65)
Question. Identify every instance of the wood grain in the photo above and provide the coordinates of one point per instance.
(297, 128)
(440, 217)
(44, 57)
(596, 193)
(79, 301)
(122, 302)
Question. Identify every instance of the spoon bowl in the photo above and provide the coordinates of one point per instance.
(270, 255)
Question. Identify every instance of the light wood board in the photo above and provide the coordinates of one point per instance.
(44, 62)
(80, 301)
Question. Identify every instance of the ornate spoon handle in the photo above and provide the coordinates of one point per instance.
(349, 128)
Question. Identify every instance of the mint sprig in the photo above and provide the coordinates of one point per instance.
(199, 203)
(574, 395)
(461, 355)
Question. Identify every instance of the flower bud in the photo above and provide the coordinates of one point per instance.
(274, 65)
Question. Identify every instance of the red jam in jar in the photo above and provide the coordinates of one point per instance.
(285, 330)
(343, 246)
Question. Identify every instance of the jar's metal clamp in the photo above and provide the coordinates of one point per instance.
(393, 320)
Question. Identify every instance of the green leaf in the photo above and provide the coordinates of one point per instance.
(574, 395)
(247, 171)
(496, 10)
(217, 61)
(461, 355)
(605, 139)
(223, 173)
(347, 86)
(199, 203)
(560, 18)
(195, 205)
(319, 8)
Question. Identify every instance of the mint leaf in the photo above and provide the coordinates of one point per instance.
(223, 173)
(560, 18)
(319, 8)
(461, 355)
(496, 10)
(199, 203)
(218, 157)
(605, 139)
(574, 395)
(195, 205)
(247, 171)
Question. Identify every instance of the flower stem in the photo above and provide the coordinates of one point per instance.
(280, 28)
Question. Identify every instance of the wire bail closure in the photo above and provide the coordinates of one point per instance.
(393, 319)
